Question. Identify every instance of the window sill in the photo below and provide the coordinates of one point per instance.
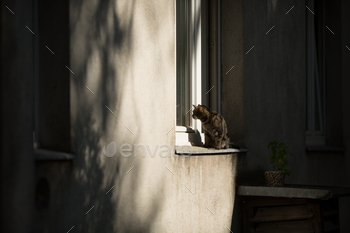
(48, 155)
(325, 149)
(293, 191)
(196, 150)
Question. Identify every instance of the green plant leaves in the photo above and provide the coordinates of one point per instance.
(278, 156)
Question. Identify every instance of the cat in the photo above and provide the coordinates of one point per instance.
(214, 126)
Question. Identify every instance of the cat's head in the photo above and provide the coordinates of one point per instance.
(200, 111)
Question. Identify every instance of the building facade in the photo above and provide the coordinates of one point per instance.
(90, 116)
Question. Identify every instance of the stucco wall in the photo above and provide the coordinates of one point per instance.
(122, 90)
(345, 202)
(17, 164)
(275, 96)
(124, 52)
(274, 85)
(232, 62)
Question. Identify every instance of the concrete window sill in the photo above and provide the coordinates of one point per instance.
(196, 150)
(48, 155)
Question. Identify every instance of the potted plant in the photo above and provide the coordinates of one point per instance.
(278, 159)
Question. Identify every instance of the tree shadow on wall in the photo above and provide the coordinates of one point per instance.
(94, 174)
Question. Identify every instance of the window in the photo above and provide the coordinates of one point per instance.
(324, 75)
(197, 82)
(51, 131)
(315, 130)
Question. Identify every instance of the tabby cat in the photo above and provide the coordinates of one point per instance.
(214, 126)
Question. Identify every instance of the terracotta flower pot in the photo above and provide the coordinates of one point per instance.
(274, 178)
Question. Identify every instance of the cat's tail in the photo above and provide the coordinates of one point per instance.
(226, 141)
(232, 145)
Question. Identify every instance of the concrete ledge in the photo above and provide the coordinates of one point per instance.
(200, 193)
(310, 192)
(48, 155)
(196, 150)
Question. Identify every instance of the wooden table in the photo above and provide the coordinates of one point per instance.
(300, 209)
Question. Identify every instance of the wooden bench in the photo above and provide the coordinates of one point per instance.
(290, 208)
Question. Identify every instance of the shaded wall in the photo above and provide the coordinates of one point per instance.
(275, 94)
(17, 164)
(232, 61)
(274, 85)
(345, 41)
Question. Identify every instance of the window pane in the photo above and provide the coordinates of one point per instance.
(315, 74)
(183, 81)
(52, 79)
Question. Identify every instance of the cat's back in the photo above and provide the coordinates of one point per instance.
(216, 120)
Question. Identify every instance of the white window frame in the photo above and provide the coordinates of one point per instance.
(194, 135)
(313, 136)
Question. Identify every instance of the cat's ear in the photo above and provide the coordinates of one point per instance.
(200, 108)
(194, 106)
